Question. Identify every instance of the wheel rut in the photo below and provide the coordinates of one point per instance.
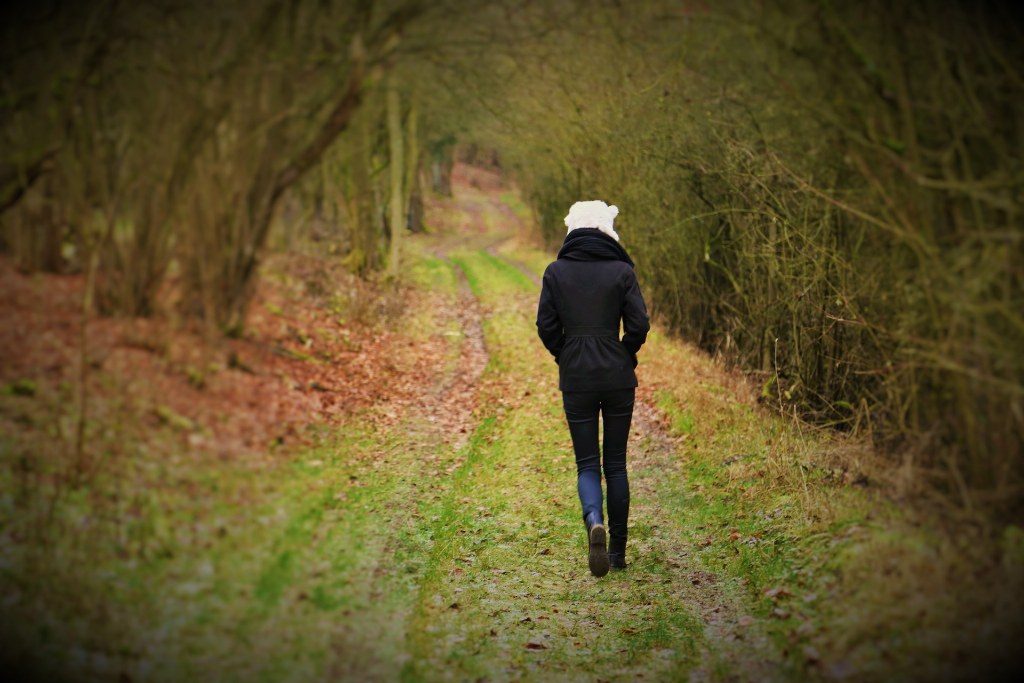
(451, 411)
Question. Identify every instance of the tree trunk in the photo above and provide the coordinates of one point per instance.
(441, 170)
(363, 257)
(416, 205)
(396, 167)
(412, 167)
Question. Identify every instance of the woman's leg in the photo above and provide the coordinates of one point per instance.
(617, 411)
(581, 412)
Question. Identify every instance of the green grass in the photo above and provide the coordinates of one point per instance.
(490, 277)
(428, 274)
(432, 274)
(534, 260)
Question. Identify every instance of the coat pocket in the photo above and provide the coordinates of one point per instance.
(632, 356)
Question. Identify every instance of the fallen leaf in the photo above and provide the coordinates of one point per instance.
(777, 592)
(536, 646)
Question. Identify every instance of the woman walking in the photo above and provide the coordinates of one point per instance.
(584, 294)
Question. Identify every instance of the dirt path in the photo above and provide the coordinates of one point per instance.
(447, 413)
(506, 593)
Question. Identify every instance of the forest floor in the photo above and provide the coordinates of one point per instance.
(392, 496)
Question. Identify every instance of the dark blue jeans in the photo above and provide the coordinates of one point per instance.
(581, 411)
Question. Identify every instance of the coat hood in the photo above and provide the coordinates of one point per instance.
(592, 244)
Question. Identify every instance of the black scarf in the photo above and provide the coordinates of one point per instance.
(590, 244)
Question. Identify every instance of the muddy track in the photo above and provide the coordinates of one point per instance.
(446, 407)
(456, 395)
(442, 417)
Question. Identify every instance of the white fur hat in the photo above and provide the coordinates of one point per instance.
(592, 214)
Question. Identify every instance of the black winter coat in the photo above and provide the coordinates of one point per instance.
(584, 295)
